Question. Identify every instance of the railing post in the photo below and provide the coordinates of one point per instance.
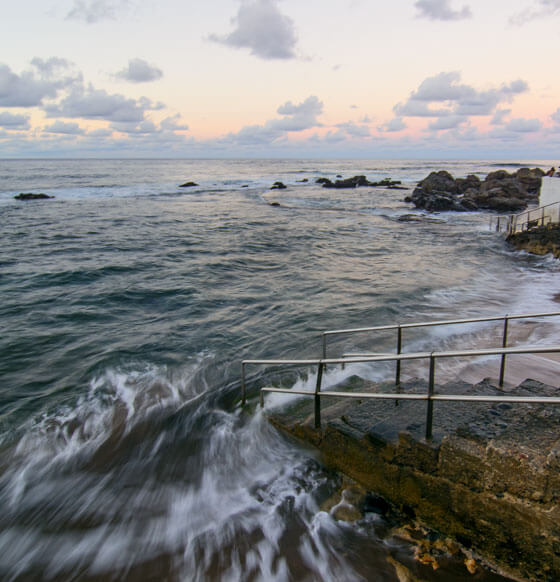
(504, 345)
(243, 392)
(317, 397)
(399, 349)
(398, 367)
(430, 411)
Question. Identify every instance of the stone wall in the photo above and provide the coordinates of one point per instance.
(490, 478)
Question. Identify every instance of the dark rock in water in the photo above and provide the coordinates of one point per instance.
(356, 181)
(188, 185)
(500, 191)
(304, 180)
(31, 196)
(338, 176)
(468, 183)
(531, 179)
(353, 182)
(274, 203)
(418, 218)
(278, 186)
(245, 186)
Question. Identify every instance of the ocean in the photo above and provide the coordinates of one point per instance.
(128, 304)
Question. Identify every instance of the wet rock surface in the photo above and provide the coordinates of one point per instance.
(489, 478)
(499, 191)
(539, 241)
(356, 181)
(32, 196)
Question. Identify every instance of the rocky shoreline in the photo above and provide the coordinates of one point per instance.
(542, 240)
(489, 479)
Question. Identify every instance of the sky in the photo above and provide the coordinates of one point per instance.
(280, 78)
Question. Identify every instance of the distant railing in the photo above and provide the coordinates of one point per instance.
(542, 216)
(430, 396)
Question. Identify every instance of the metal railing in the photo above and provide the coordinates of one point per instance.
(398, 357)
(542, 216)
(430, 396)
(400, 327)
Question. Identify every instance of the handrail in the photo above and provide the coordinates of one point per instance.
(514, 223)
(430, 397)
(400, 327)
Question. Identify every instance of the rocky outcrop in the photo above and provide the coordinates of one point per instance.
(542, 240)
(278, 186)
(31, 196)
(500, 191)
(188, 185)
(356, 181)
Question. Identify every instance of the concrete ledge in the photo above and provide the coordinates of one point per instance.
(490, 478)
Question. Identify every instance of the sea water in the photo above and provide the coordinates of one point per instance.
(127, 306)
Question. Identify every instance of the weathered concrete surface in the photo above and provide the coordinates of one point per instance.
(490, 477)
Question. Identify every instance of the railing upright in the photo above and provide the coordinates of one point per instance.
(243, 388)
(504, 345)
(317, 397)
(430, 406)
(399, 350)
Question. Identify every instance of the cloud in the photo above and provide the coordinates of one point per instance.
(91, 103)
(140, 71)
(440, 10)
(447, 122)
(542, 9)
(295, 118)
(173, 123)
(396, 124)
(260, 27)
(168, 126)
(520, 125)
(354, 130)
(14, 122)
(145, 127)
(499, 116)
(444, 96)
(43, 81)
(92, 11)
(62, 127)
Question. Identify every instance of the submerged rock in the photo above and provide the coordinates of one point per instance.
(31, 196)
(188, 185)
(418, 218)
(278, 186)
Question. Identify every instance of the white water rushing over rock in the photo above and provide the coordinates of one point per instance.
(128, 305)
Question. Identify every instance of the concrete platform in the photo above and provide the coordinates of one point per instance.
(490, 477)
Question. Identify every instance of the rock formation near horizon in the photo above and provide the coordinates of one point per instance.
(499, 191)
